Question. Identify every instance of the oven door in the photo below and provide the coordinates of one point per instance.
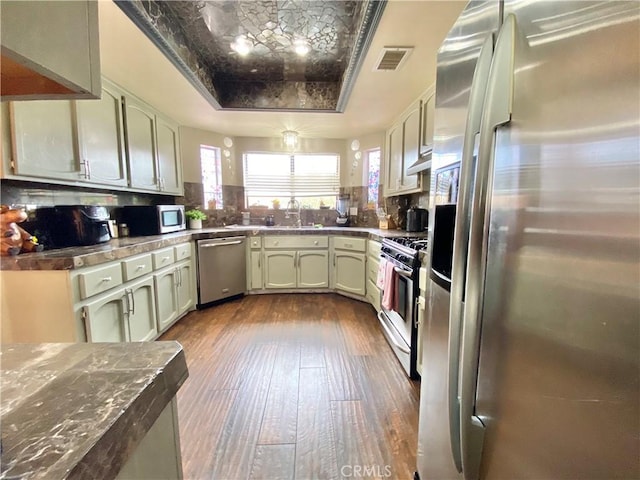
(397, 323)
(401, 316)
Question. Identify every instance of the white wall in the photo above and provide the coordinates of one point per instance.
(350, 175)
(190, 141)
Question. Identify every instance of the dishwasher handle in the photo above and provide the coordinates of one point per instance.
(220, 242)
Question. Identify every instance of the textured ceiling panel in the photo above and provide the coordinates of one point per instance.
(198, 36)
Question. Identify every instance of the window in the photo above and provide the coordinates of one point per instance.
(211, 177)
(313, 179)
(373, 177)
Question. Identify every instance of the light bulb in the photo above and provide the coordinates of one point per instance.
(242, 45)
(301, 47)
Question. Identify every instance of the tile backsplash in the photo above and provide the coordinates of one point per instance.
(31, 195)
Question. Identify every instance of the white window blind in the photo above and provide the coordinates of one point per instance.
(281, 175)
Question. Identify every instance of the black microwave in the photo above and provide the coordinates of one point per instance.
(153, 219)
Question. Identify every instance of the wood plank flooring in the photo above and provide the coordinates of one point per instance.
(296, 386)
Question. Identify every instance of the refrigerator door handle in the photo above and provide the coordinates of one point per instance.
(497, 111)
(460, 242)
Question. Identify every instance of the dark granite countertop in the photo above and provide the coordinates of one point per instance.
(79, 410)
(119, 248)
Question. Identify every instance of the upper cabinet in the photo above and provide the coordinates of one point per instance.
(141, 145)
(116, 141)
(427, 109)
(44, 140)
(152, 149)
(101, 137)
(410, 153)
(409, 142)
(170, 173)
(50, 50)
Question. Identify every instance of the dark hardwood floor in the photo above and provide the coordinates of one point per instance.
(297, 386)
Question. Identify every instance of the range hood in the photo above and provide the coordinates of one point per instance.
(423, 163)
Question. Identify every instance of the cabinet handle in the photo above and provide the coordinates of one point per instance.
(133, 301)
(126, 326)
(105, 279)
(140, 267)
(334, 259)
(315, 242)
(348, 245)
(87, 170)
(164, 259)
(180, 275)
(259, 257)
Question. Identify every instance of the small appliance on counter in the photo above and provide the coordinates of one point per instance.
(342, 207)
(269, 221)
(72, 225)
(153, 219)
(417, 219)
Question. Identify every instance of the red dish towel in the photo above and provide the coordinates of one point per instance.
(388, 297)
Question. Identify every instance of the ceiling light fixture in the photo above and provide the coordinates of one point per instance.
(242, 45)
(301, 47)
(290, 138)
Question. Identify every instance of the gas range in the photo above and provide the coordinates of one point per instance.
(398, 316)
(404, 249)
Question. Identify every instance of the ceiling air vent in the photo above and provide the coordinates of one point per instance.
(392, 58)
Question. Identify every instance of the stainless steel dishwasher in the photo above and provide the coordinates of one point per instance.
(222, 271)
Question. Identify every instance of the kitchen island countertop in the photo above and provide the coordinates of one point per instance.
(79, 410)
(119, 248)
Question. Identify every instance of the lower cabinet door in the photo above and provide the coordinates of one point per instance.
(313, 269)
(256, 270)
(142, 316)
(166, 297)
(106, 318)
(349, 272)
(280, 270)
(186, 292)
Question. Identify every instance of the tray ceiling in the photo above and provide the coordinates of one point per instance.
(205, 40)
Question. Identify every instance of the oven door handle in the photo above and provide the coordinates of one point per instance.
(390, 334)
(403, 272)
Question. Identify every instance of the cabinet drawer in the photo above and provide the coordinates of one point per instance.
(255, 242)
(350, 243)
(100, 280)
(182, 251)
(373, 295)
(372, 269)
(374, 248)
(136, 267)
(309, 241)
(162, 258)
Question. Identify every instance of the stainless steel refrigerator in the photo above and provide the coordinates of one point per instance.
(531, 351)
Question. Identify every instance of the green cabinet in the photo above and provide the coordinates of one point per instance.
(142, 315)
(44, 139)
(106, 317)
(56, 45)
(280, 269)
(313, 269)
(116, 141)
(101, 137)
(349, 265)
(141, 146)
(169, 166)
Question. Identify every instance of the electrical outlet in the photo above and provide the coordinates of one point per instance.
(353, 211)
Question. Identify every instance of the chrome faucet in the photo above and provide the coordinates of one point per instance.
(293, 209)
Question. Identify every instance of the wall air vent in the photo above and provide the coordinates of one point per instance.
(392, 58)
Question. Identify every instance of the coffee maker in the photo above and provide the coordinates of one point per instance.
(342, 207)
